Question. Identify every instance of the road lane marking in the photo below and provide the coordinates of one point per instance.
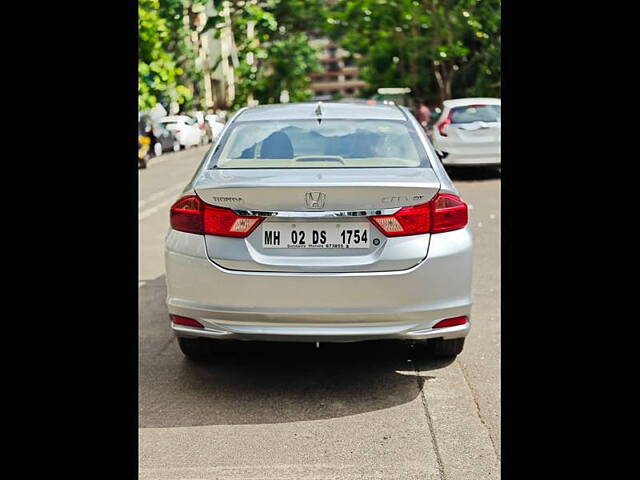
(171, 190)
(165, 157)
(162, 159)
(152, 210)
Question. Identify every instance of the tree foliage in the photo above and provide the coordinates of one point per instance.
(423, 44)
(438, 48)
(291, 59)
(167, 67)
(272, 56)
(158, 71)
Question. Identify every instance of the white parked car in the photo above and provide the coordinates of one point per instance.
(468, 132)
(216, 125)
(186, 129)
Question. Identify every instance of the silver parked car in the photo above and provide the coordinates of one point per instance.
(326, 222)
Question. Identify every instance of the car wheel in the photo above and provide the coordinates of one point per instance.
(176, 146)
(157, 149)
(195, 348)
(447, 348)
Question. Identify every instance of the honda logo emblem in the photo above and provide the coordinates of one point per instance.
(314, 199)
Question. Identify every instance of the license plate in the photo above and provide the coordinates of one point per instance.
(316, 235)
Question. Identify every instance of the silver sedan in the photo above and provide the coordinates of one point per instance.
(325, 222)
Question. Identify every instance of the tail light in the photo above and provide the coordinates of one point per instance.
(451, 322)
(445, 212)
(192, 215)
(444, 123)
(189, 322)
(448, 213)
(406, 221)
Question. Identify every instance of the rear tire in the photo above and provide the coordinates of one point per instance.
(448, 348)
(195, 348)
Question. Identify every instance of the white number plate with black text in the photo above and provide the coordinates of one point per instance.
(316, 235)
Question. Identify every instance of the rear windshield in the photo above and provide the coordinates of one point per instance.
(325, 144)
(475, 113)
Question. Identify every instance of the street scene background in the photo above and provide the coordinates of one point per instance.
(275, 410)
(219, 56)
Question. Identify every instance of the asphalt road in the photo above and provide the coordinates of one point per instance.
(291, 411)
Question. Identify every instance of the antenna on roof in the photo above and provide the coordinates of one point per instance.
(318, 111)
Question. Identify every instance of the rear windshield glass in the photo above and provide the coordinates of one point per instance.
(475, 113)
(325, 144)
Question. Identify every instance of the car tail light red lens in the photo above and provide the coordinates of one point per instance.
(445, 212)
(189, 322)
(444, 123)
(222, 221)
(406, 221)
(186, 215)
(451, 322)
(449, 213)
(192, 215)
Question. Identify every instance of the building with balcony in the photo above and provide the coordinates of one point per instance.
(339, 76)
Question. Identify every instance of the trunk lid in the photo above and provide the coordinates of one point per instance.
(308, 198)
(344, 188)
(476, 132)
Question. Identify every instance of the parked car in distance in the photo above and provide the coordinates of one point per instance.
(185, 129)
(320, 223)
(216, 124)
(202, 123)
(468, 132)
(144, 140)
(164, 139)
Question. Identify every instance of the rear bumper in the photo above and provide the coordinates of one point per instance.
(321, 334)
(471, 159)
(327, 307)
(468, 154)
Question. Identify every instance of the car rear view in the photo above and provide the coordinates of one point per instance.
(468, 132)
(320, 223)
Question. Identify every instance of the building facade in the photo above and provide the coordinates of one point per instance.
(339, 76)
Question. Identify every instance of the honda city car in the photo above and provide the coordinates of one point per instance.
(328, 222)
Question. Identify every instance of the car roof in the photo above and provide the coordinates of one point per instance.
(330, 110)
(458, 102)
(174, 118)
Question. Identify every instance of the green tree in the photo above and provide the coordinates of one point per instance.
(167, 67)
(158, 72)
(481, 75)
(290, 61)
(422, 44)
(300, 16)
(272, 57)
(180, 18)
